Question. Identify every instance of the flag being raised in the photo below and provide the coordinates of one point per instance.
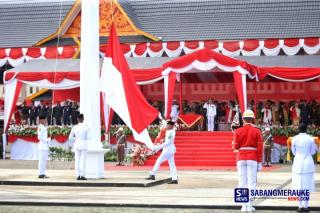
(122, 94)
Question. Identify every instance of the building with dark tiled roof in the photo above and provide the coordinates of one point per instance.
(273, 32)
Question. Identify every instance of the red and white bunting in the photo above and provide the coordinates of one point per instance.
(268, 47)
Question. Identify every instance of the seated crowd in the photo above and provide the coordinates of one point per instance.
(268, 112)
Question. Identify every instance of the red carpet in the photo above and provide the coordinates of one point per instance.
(201, 149)
(112, 167)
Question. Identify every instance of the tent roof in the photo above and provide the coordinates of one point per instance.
(73, 65)
(177, 20)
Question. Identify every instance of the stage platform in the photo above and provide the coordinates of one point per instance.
(202, 149)
(57, 178)
(197, 188)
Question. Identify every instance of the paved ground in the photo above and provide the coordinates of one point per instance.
(196, 188)
(37, 209)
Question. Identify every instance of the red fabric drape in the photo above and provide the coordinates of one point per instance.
(66, 94)
(68, 52)
(311, 42)
(181, 108)
(271, 43)
(33, 52)
(231, 46)
(211, 44)
(289, 74)
(250, 45)
(52, 52)
(204, 55)
(171, 86)
(291, 42)
(238, 84)
(125, 48)
(15, 53)
(173, 45)
(140, 49)
(191, 44)
(3, 53)
(146, 74)
(37, 76)
(156, 46)
(14, 103)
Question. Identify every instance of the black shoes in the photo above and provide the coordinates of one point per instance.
(81, 178)
(303, 210)
(43, 176)
(151, 177)
(173, 182)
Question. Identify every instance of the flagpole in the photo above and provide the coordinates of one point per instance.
(89, 90)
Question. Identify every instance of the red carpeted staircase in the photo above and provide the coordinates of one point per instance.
(201, 149)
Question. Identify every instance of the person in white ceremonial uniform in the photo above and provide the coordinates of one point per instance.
(211, 114)
(168, 151)
(43, 147)
(303, 147)
(175, 110)
(80, 134)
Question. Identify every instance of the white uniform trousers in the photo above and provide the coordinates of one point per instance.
(80, 162)
(163, 157)
(210, 126)
(42, 165)
(247, 174)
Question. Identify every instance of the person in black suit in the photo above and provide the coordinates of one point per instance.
(66, 114)
(33, 114)
(57, 113)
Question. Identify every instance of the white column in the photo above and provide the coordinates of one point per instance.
(89, 78)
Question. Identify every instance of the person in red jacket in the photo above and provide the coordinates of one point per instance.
(248, 144)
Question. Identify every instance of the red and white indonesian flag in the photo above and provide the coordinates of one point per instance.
(122, 94)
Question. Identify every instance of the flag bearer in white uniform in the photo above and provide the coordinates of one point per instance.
(80, 133)
(248, 143)
(211, 114)
(43, 147)
(303, 147)
(168, 151)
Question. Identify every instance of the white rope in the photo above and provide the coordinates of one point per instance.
(56, 62)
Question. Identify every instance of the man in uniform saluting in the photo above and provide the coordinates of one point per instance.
(248, 143)
(168, 151)
(80, 134)
(43, 146)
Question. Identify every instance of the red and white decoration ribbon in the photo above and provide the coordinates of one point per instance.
(268, 47)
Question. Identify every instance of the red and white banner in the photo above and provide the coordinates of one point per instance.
(268, 47)
(122, 94)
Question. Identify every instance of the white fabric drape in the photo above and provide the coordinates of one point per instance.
(166, 91)
(173, 53)
(244, 89)
(24, 150)
(292, 50)
(150, 82)
(9, 91)
(311, 50)
(204, 66)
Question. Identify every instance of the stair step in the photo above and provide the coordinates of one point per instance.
(197, 148)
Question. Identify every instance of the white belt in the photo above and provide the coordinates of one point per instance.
(247, 148)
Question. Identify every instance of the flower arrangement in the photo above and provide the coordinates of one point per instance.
(60, 154)
(292, 131)
(31, 131)
(152, 129)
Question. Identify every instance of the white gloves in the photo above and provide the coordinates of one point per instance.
(259, 167)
